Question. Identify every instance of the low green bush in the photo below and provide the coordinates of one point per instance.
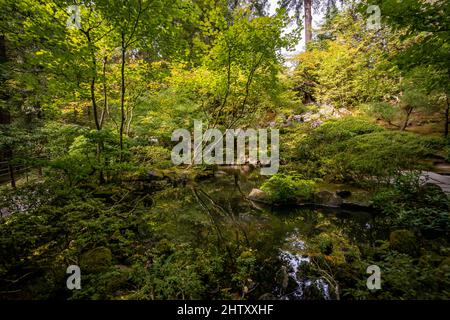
(287, 188)
(358, 151)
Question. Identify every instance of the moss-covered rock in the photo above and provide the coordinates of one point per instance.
(327, 198)
(95, 260)
(404, 241)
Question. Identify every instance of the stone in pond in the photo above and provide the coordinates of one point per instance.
(257, 195)
(327, 198)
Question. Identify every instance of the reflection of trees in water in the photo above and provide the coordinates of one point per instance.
(331, 241)
(231, 224)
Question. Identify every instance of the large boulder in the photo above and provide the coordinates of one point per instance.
(304, 117)
(327, 198)
(326, 110)
(404, 241)
(258, 195)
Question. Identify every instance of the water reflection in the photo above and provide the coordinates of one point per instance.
(297, 249)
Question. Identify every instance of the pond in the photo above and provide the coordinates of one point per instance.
(284, 239)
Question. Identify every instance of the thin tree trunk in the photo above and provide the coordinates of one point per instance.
(122, 98)
(447, 112)
(105, 94)
(5, 115)
(11, 175)
(3, 57)
(129, 121)
(308, 20)
(93, 79)
(94, 105)
(98, 124)
(408, 114)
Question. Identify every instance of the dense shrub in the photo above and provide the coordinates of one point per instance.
(409, 204)
(358, 151)
(403, 277)
(287, 188)
(382, 110)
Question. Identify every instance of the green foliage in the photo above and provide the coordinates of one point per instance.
(96, 259)
(74, 151)
(86, 111)
(427, 25)
(349, 65)
(354, 149)
(72, 227)
(148, 157)
(382, 110)
(288, 188)
(383, 155)
(173, 277)
(404, 278)
(409, 204)
(404, 241)
(246, 265)
(342, 129)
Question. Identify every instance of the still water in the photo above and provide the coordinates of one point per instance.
(285, 240)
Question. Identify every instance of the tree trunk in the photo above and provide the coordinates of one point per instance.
(93, 79)
(98, 124)
(308, 20)
(11, 175)
(5, 116)
(122, 98)
(447, 111)
(105, 110)
(130, 118)
(408, 114)
(2, 49)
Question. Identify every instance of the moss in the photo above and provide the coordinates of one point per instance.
(118, 278)
(326, 246)
(288, 188)
(95, 260)
(404, 241)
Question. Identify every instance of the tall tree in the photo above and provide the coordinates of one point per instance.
(308, 5)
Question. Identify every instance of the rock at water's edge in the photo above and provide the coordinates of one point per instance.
(327, 198)
(258, 195)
